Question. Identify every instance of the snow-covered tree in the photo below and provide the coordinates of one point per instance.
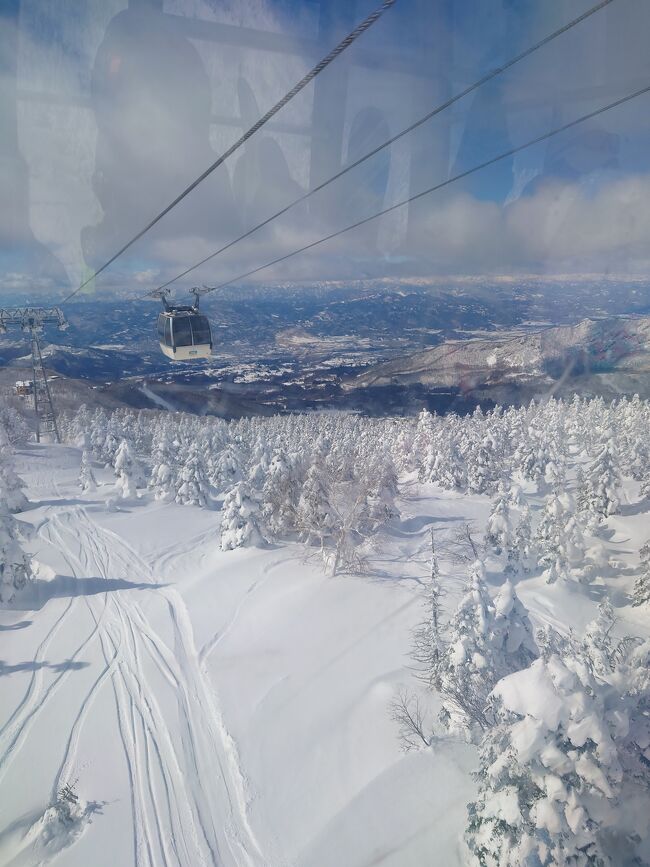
(280, 496)
(428, 643)
(226, 469)
(87, 480)
(11, 485)
(498, 532)
(314, 515)
(485, 640)
(378, 478)
(192, 486)
(164, 467)
(564, 759)
(127, 471)
(241, 518)
(15, 564)
(599, 496)
(514, 646)
(485, 466)
(641, 593)
(550, 539)
(520, 546)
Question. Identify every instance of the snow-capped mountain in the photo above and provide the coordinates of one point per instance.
(527, 361)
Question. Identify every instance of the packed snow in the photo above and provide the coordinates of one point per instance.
(326, 640)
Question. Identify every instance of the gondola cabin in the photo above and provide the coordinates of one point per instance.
(184, 334)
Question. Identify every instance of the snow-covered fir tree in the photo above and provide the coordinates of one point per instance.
(484, 467)
(563, 756)
(484, 641)
(600, 496)
(280, 495)
(641, 595)
(226, 468)
(15, 563)
(520, 546)
(11, 485)
(87, 480)
(127, 470)
(164, 466)
(498, 532)
(314, 515)
(241, 518)
(192, 486)
(428, 642)
(551, 541)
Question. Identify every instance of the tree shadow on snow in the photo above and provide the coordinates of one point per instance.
(10, 627)
(38, 592)
(417, 523)
(62, 501)
(627, 510)
(35, 665)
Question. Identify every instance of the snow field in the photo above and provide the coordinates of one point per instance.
(233, 707)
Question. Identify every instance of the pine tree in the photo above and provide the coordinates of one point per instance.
(485, 640)
(280, 496)
(564, 757)
(192, 487)
(520, 547)
(15, 564)
(87, 480)
(428, 644)
(641, 594)
(550, 540)
(163, 470)
(600, 497)
(11, 485)
(126, 470)
(498, 533)
(241, 518)
(314, 515)
(514, 644)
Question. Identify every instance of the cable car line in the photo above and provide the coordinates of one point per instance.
(307, 79)
(493, 73)
(510, 152)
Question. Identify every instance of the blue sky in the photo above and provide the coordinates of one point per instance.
(112, 110)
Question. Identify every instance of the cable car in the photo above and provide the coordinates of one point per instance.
(184, 333)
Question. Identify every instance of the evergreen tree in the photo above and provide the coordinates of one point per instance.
(192, 486)
(241, 518)
(428, 643)
(484, 467)
(641, 593)
(485, 641)
(126, 470)
(550, 540)
(520, 547)
(314, 515)
(280, 496)
(600, 497)
(514, 644)
(15, 564)
(11, 485)
(87, 480)
(163, 470)
(227, 468)
(498, 533)
(563, 757)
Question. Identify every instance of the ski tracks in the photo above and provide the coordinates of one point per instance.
(189, 796)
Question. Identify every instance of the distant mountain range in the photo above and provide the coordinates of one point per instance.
(377, 347)
(604, 356)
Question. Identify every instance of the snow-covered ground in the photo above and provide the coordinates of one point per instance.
(232, 708)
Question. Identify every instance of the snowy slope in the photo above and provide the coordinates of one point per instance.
(232, 708)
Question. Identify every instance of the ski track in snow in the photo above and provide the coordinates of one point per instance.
(189, 795)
